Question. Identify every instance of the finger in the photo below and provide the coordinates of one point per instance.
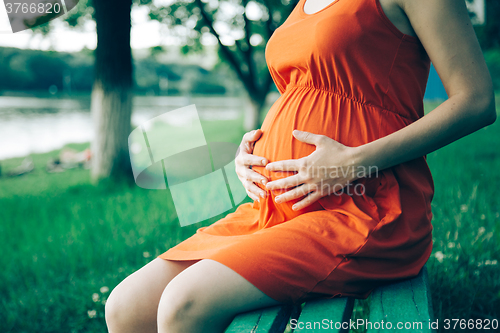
(249, 159)
(253, 196)
(248, 135)
(245, 147)
(285, 183)
(252, 135)
(297, 192)
(313, 139)
(254, 189)
(308, 200)
(285, 165)
(257, 134)
(255, 177)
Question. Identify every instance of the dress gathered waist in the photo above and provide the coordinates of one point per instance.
(291, 87)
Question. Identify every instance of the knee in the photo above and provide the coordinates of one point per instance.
(181, 310)
(115, 311)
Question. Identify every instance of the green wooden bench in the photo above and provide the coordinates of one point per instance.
(403, 306)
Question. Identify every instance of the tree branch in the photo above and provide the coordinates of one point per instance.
(248, 52)
(225, 50)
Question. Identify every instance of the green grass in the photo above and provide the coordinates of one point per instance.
(62, 240)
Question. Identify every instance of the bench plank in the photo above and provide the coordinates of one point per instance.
(405, 302)
(267, 320)
(273, 322)
(245, 322)
(336, 310)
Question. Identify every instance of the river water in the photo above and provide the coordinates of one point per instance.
(36, 125)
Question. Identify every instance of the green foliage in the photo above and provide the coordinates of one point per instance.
(32, 70)
(492, 58)
(38, 70)
(489, 34)
(465, 269)
(241, 39)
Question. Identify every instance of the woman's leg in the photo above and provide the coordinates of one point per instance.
(133, 305)
(205, 297)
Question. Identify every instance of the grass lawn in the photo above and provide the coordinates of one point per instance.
(65, 243)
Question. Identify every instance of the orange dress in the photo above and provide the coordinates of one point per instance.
(348, 73)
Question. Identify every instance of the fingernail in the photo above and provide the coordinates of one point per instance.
(294, 207)
(264, 162)
(263, 181)
(277, 199)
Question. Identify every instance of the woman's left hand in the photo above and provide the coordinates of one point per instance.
(330, 168)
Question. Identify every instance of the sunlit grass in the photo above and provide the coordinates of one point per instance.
(66, 243)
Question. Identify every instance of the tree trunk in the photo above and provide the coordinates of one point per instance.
(111, 102)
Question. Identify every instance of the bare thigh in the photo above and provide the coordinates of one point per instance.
(205, 297)
(132, 306)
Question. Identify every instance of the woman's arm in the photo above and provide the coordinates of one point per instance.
(445, 30)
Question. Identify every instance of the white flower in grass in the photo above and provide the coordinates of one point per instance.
(92, 313)
(481, 231)
(451, 245)
(104, 290)
(146, 254)
(439, 256)
(95, 297)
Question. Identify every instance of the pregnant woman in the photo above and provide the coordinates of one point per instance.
(342, 191)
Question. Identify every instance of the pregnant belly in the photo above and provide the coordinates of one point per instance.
(305, 110)
(319, 112)
(277, 142)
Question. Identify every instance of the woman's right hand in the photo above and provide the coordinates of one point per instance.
(244, 161)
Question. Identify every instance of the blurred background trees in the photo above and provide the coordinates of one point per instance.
(241, 29)
(489, 33)
(241, 39)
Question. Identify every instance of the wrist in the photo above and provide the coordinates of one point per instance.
(362, 158)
